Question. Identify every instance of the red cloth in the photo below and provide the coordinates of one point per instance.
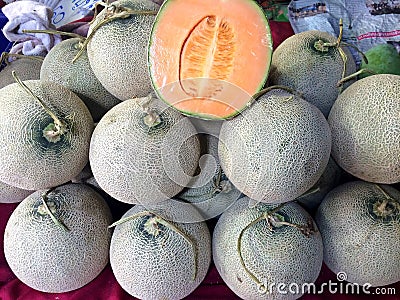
(105, 285)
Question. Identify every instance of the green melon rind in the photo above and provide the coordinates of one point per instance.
(159, 15)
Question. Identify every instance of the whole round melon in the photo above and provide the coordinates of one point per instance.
(208, 58)
(365, 125)
(303, 63)
(256, 249)
(155, 257)
(210, 191)
(12, 194)
(277, 149)
(27, 68)
(360, 226)
(58, 66)
(117, 50)
(49, 257)
(45, 134)
(382, 59)
(144, 152)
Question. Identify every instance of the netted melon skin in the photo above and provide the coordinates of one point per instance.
(276, 149)
(44, 256)
(355, 242)
(117, 51)
(26, 69)
(77, 76)
(134, 163)
(284, 255)
(12, 194)
(296, 64)
(160, 267)
(28, 160)
(365, 124)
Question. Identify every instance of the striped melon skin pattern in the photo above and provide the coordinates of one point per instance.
(277, 149)
(284, 255)
(151, 261)
(77, 76)
(47, 258)
(26, 69)
(117, 51)
(135, 163)
(356, 240)
(297, 64)
(365, 124)
(12, 194)
(24, 147)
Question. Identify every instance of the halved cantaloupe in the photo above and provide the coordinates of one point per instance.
(207, 58)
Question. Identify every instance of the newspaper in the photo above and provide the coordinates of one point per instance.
(365, 22)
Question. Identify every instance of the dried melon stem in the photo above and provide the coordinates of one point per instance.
(324, 47)
(113, 12)
(383, 209)
(6, 55)
(273, 219)
(49, 31)
(275, 87)
(44, 208)
(354, 75)
(310, 192)
(152, 117)
(153, 228)
(388, 207)
(53, 131)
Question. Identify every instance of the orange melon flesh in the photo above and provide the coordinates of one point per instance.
(207, 58)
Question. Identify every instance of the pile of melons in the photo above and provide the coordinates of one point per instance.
(186, 114)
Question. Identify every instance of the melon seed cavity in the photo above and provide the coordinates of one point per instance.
(208, 52)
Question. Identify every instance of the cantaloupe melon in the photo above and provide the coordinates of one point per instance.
(365, 124)
(47, 257)
(277, 149)
(207, 58)
(303, 63)
(12, 194)
(256, 249)
(28, 68)
(77, 76)
(143, 152)
(360, 227)
(117, 50)
(154, 257)
(45, 135)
